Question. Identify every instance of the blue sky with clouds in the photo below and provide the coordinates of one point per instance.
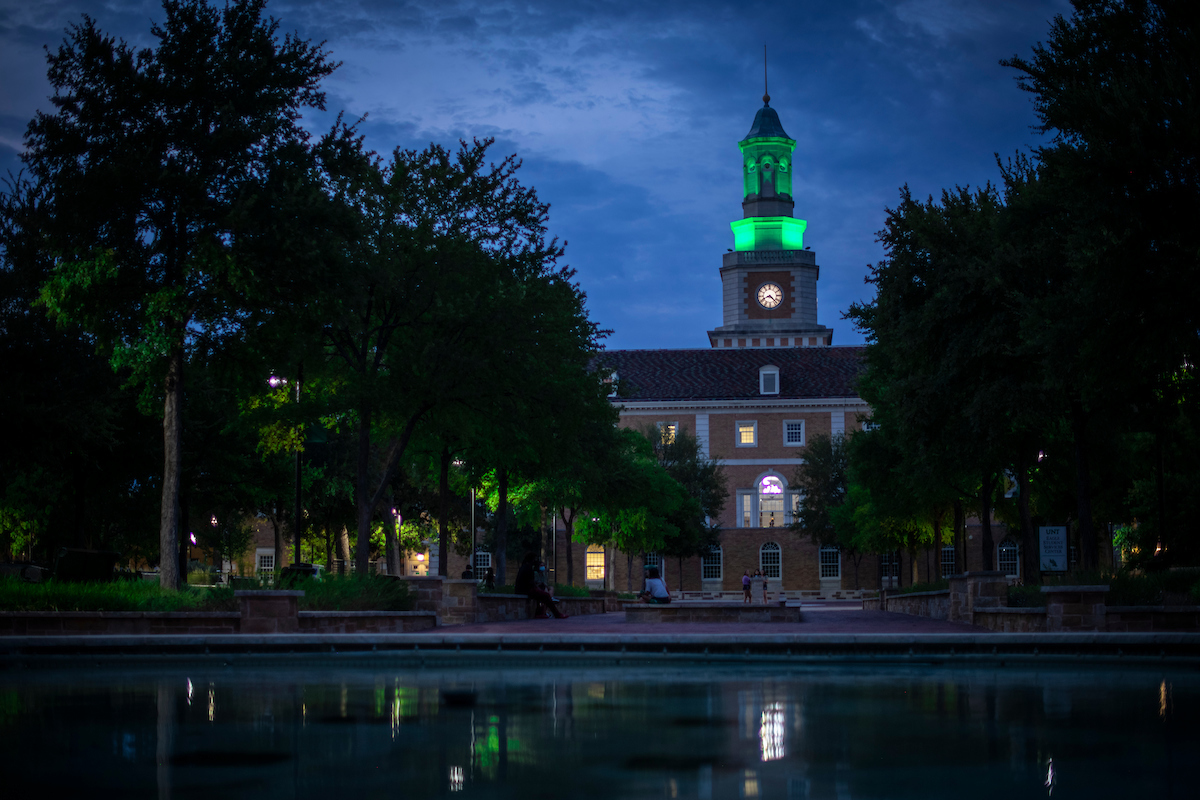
(627, 116)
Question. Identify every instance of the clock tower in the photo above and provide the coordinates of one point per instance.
(769, 279)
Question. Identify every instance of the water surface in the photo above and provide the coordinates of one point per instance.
(325, 729)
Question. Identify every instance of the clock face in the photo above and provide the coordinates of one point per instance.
(770, 295)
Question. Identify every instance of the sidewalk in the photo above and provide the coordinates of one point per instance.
(815, 619)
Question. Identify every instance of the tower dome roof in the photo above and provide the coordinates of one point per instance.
(766, 123)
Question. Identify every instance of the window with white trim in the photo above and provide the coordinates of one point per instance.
(793, 432)
(948, 566)
(710, 564)
(770, 560)
(831, 562)
(595, 562)
(266, 563)
(483, 561)
(889, 567)
(1008, 558)
(612, 380)
(768, 380)
(793, 507)
(651, 559)
(747, 502)
(770, 503)
(747, 433)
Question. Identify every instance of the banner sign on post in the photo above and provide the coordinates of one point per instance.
(1053, 541)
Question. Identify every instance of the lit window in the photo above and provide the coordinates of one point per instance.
(667, 431)
(793, 507)
(768, 380)
(947, 561)
(747, 434)
(793, 432)
(595, 562)
(1008, 558)
(770, 503)
(831, 562)
(747, 500)
(770, 560)
(483, 562)
(710, 565)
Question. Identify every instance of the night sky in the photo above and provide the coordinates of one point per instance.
(628, 114)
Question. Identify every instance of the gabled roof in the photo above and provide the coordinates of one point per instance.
(731, 374)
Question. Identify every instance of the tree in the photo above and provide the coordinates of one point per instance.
(141, 171)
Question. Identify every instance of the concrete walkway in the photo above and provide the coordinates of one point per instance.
(845, 619)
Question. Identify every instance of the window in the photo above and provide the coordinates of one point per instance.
(1008, 558)
(770, 503)
(947, 561)
(831, 562)
(793, 432)
(595, 562)
(747, 434)
(768, 380)
(747, 500)
(889, 567)
(770, 560)
(612, 380)
(652, 560)
(667, 431)
(483, 562)
(793, 506)
(710, 565)
(266, 563)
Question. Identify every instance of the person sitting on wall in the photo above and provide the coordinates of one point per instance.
(656, 590)
(526, 584)
(468, 574)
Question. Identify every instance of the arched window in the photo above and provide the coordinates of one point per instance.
(770, 560)
(595, 562)
(831, 562)
(1008, 558)
(770, 503)
(710, 564)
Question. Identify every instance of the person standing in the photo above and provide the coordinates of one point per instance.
(764, 582)
(746, 586)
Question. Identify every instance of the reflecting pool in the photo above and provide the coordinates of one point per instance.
(325, 729)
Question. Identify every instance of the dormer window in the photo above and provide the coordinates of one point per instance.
(768, 380)
(611, 381)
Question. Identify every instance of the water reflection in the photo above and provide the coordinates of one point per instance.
(687, 734)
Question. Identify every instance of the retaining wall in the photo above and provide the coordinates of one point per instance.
(711, 612)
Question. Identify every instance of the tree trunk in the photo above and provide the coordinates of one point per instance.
(937, 549)
(985, 519)
(960, 537)
(629, 571)
(569, 534)
(1030, 562)
(899, 568)
(443, 511)
(362, 492)
(343, 548)
(168, 530)
(1083, 489)
(277, 529)
(501, 556)
(391, 538)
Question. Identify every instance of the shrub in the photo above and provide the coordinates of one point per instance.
(1026, 597)
(352, 593)
(17, 595)
(567, 590)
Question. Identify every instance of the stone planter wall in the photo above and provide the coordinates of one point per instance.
(1075, 608)
(1152, 619)
(736, 613)
(366, 621)
(1012, 620)
(116, 623)
(507, 607)
(935, 605)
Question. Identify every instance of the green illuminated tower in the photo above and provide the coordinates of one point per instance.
(769, 279)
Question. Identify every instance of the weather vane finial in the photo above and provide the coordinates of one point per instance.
(766, 95)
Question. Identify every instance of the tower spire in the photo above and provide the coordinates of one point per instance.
(766, 95)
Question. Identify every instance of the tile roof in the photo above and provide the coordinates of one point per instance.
(730, 374)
